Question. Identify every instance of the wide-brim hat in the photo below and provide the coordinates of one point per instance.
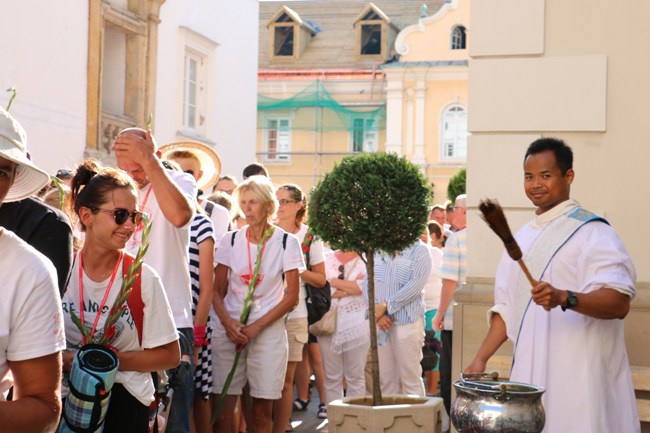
(29, 179)
(210, 161)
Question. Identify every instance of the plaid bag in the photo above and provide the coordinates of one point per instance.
(91, 378)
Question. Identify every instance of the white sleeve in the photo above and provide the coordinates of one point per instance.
(220, 220)
(36, 314)
(223, 252)
(292, 257)
(158, 321)
(316, 252)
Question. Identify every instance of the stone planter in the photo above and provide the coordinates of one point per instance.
(399, 414)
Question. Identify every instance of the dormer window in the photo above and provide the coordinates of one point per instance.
(289, 34)
(374, 34)
(458, 38)
(283, 40)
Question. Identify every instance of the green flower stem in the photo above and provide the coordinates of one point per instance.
(243, 318)
(13, 91)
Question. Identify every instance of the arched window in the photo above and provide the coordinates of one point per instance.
(454, 133)
(458, 38)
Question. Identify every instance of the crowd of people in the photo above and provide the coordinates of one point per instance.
(223, 300)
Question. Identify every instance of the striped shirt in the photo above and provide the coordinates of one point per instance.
(200, 231)
(454, 267)
(400, 280)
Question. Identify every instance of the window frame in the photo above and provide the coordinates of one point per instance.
(192, 55)
(463, 37)
(280, 156)
(204, 51)
(367, 145)
(295, 28)
(358, 39)
(455, 157)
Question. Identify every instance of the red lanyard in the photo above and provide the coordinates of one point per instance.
(248, 245)
(101, 306)
(144, 203)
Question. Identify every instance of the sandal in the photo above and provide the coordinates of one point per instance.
(289, 427)
(299, 404)
(322, 411)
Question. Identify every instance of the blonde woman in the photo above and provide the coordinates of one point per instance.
(262, 340)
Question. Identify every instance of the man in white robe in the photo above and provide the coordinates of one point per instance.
(568, 330)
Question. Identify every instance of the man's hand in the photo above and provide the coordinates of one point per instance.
(548, 296)
(385, 323)
(140, 149)
(437, 323)
(380, 310)
(476, 366)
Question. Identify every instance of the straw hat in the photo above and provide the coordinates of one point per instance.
(29, 179)
(210, 161)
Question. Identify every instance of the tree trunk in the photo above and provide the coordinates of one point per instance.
(377, 399)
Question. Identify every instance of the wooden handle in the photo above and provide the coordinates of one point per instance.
(533, 282)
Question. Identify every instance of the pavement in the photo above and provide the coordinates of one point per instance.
(307, 421)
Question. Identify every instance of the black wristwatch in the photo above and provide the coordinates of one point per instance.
(571, 301)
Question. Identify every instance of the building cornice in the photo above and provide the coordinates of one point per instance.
(401, 46)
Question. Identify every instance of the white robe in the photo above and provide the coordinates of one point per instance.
(580, 361)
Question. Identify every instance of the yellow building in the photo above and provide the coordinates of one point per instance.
(427, 94)
(342, 77)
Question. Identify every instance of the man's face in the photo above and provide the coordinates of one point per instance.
(543, 181)
(7, 176)
(191, 166)
(459, 217)
(134, 170)
(439, 216)
(225, 185)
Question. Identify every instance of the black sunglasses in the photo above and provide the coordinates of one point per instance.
(342, 272)
(121, 215)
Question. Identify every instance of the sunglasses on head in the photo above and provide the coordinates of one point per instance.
(121, 215)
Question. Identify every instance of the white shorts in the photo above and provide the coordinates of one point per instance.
(263, 363)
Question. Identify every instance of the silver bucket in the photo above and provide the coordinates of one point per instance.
(485, 404)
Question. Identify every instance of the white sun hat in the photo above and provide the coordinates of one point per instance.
(210, 161)
(29, 179)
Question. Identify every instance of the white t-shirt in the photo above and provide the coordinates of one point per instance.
(275, 262)
(158, 323)
(168, 250)
(220, 219)
(316, 256)
(433, 286)
(31, 324)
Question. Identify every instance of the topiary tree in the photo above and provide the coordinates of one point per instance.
(457, 184)
(369, 203)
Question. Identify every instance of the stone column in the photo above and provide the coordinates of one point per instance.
(420, 95)
(394, 121)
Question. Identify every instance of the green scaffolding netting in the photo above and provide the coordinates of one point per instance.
(314, 109)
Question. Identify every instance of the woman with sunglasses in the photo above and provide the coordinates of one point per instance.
(105, 201)
(345, 351)
(251, 266)
(292, 210)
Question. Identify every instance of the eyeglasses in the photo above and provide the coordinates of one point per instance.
(342, 272)
(121, 215)
(64, 174)
(284, 202)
